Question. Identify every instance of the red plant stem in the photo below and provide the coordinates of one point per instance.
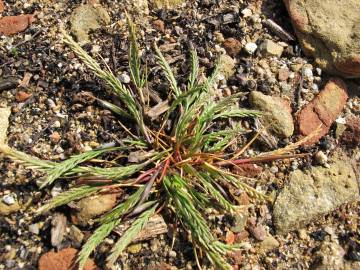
(144, 175)
(148, 187)
(160, 208)
(165, 168)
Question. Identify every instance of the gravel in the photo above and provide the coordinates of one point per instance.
(53, 124)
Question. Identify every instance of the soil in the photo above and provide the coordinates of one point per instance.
(52, 118)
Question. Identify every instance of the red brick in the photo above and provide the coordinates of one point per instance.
(63, 260)
(11, 25)
(322, 110)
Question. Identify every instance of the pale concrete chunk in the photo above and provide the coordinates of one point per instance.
(313, 193)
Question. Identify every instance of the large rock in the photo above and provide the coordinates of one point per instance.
(329, 30)
(278, 113)
(85, 18)
(313, 193)
(322, 111)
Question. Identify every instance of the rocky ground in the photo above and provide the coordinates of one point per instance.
(303, 77)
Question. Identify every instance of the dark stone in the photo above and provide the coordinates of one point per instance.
(318, 235)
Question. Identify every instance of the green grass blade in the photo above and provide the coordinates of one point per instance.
(178, 191)
(134, 60)
(114, 109)
(95, 239)
(63, 167)
(70, 195)
(194, 73)
(168, 72)
(236, 112)
(122, 208)
(205, 180)
(221, 174)
(27, 160)
(130, 234)
(124, 93)
(108, 223)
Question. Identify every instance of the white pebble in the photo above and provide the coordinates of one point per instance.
(250, 47)
(9, 199)
(50, 103)
(246, 12)
(307, 72)
(318, 71)
(56, 190)
(95, 49)
(172, 253)
(34, 228)
(341, 120)
(315, 88)
(321, 158)
(274, 169)
(27, 37)
(124, 78)
(57, 124)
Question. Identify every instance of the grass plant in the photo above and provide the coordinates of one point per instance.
(187, 172)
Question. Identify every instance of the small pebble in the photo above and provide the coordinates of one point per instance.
(285, 87)
(228, 18)
(246, 12)
(124, 78)
(274, 169)
(9, 199)
(56, 190)
(258, 232)
(34, 228)
(172, 253)
(294, 165)
(50, 103)
(57, 124)
(219, 37)
(307, 72)
(318, 71)
(250, 47)
(321, 158)
(283, 74)
(302, 234)
(315, 88)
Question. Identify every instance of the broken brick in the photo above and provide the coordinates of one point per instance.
(323, 110)
(11, 25)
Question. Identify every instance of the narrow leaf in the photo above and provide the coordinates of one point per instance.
(68, 196)
(109, 222)
(67, 165)
(130, 234)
